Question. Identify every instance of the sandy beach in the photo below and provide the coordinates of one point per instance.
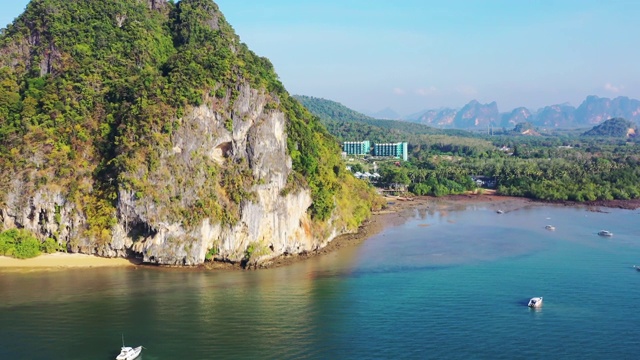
(61, 261)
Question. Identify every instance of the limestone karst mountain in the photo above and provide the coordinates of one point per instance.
(593, 110)
(145, 127)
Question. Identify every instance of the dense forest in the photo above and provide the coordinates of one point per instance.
(581, 173)
(603, 164)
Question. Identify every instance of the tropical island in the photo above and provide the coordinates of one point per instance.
(153, 132)
(146, 128)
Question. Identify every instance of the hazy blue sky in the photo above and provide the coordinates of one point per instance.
(416, 54)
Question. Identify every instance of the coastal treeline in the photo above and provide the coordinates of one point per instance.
(544, 168)
(568, 164)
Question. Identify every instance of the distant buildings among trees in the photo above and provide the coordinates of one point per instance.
(397, 150)
(357, 147)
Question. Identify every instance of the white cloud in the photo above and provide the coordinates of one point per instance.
(426, 91)
(613, 88)
(399, 91)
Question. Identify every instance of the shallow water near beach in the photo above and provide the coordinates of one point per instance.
(445, 284)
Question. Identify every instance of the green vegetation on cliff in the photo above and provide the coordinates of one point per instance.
(21, 244)
(616, 127)
(91, 93)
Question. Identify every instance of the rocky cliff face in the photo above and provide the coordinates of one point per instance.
(269, 225)
(472, 115)
(595, 110)
(438, 118)
(555, 116)
(175, 142)
(518, 115)
(475, 114)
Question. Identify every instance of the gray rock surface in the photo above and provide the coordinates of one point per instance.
(269, 223)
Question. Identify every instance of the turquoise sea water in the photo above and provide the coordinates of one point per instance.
(446, 284)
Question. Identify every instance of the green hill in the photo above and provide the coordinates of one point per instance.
(525, 128)
(347, 124)
(126, 120)
(616, 127)
(331, 110)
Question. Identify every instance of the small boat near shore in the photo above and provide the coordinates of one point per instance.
(605, 233)
(128, 353)
(550, 227)
(500, 212)
(535, 302)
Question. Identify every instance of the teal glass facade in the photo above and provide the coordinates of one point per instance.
(397, 150)
(357, 147)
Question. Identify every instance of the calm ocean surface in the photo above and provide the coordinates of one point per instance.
(444, 285)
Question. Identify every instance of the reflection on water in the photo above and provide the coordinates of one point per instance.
(81, 314)
(457, 288)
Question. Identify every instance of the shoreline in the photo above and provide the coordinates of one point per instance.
(62, 261)
(398, 210)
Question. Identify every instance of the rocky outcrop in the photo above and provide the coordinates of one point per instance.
(518, 115)
(47, 214)
(554, 116)
(592, 111)
(181, 146)
(156, 4)
(269, 225)
(475, 114)
(595, 110)
(439, 118)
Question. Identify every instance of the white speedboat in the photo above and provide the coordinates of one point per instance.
(605, 233)
(636, 267)
(128, 353)
(550, 227)
(500, 212)
(535, 302)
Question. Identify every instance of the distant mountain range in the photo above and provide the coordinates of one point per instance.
(593, 111)
(386, 114)
(345, 123)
